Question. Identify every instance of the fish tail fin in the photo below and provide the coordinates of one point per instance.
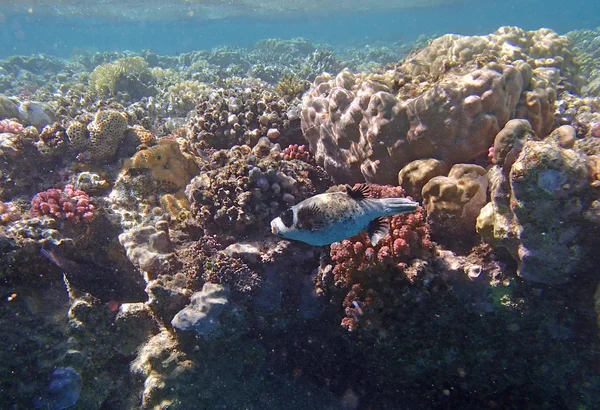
(394, 206)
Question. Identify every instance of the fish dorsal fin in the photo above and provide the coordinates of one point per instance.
(378, 229)
(310, 218)
(360, 192)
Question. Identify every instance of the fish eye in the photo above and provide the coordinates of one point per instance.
(287, 217)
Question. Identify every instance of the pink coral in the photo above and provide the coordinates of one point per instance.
(10, 126)
(299, 152)
(369, 274)
(70, 204)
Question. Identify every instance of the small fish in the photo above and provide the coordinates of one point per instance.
(333, 216)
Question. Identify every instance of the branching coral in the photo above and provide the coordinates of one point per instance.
(299, 152)
(291, 86)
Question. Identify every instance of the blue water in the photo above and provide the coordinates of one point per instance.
(26, 33)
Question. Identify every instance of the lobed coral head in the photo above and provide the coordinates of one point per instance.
(11, 127)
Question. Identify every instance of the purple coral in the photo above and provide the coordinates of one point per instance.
(70, 204)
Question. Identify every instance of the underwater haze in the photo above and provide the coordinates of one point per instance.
(299, 204)
(59, 28)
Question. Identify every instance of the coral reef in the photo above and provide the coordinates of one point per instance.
(151, 279)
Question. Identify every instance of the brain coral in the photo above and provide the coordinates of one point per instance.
(447, 102)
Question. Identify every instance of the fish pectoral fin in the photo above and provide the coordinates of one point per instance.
(378, 229)
(310, 218)
(360, 192)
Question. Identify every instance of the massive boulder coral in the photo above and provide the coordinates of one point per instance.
(454, 202)
(540, 211)
(447, 102)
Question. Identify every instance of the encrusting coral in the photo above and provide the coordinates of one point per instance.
(541, 207)
(166, 163)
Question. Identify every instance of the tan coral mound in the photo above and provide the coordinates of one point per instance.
(454, 202)
(446, 102)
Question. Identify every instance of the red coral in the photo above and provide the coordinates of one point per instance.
(299, 152)
(10, 126)
(369, 274)
(70, 204)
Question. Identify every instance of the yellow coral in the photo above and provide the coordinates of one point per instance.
(104, 79)
(166, 162)
(176, 204)
(144, 136)
(458, 197)
(291, 85)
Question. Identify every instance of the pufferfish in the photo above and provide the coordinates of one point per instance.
(334, 216)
